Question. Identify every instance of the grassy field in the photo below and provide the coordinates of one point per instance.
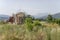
(48, 31)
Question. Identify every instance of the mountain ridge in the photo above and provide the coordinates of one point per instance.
(4, 17)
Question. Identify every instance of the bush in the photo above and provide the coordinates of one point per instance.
(28, 22)
(2, 22)
(37, 23)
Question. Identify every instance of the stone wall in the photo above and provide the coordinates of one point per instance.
(19, 18)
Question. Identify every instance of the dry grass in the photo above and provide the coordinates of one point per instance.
(20, 32)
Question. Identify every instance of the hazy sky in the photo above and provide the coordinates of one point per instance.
(32, 7)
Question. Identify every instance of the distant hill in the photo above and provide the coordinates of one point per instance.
(4, 17)
(40, 15)
(57, 15)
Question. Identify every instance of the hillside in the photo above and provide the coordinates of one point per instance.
(57, 15)
(40, 15)
(4, 17)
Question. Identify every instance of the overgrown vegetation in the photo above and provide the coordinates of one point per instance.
(31, 30)
(50, 19)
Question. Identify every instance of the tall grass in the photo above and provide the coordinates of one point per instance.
(21, 32)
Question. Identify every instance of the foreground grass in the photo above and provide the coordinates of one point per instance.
(20, 32)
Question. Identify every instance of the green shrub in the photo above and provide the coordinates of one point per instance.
(2, 22)
(28, 22)
(37, 23)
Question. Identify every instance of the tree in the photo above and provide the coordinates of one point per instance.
(49, 18)
(28, 16)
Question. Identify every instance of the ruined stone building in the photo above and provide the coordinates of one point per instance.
(11, 19)
(18, 18)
